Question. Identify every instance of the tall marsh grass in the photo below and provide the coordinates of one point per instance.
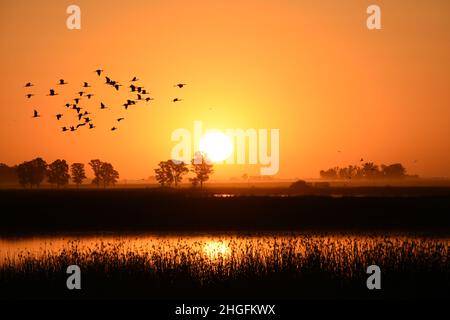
(272, 266)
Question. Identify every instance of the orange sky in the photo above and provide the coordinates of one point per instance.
(310, 68)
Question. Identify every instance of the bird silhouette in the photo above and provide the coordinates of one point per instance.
(180, 85)
(176, 100)
(361, 160)
(83, 119)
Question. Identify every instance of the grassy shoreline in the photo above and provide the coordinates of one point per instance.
(311, 267)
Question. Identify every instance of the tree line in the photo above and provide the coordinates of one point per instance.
(368, 170)
(58, 173)
(171, 172)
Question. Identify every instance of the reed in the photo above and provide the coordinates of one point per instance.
(293, 265)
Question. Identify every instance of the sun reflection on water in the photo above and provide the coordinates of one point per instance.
(216, 249)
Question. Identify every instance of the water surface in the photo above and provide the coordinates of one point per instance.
(339, 248)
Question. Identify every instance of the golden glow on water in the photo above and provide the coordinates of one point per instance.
(216, 249)
(37, 247)
(166, 251)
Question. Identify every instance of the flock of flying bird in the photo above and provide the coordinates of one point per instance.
(84, 119)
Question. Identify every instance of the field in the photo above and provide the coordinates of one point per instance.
(413, 209)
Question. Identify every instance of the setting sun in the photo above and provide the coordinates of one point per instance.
(216, 145)
(224, 159)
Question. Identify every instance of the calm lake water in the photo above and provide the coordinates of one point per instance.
(213, 247)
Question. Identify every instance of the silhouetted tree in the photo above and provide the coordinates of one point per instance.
(345, 173)
(395, 171)
(32, 172)
(96, 166)
(58, 173)
(78, 173)
(162, 174)
(24, 173)
(179, 169)
(170, 172)
(357, 171)
(104, 173)
(108, 175)
(202, 168)
(370, 170)
(8, 174)
(329, 174)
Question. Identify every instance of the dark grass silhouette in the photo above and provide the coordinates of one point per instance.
(292, 267)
